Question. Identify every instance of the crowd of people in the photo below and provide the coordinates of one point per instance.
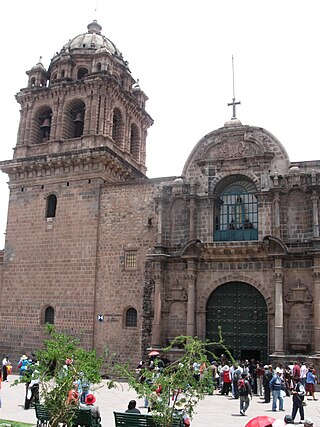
(249, 378)
(240, 380)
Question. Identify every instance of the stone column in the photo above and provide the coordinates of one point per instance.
(191, 304)
(156, 330)
(159, 233)
(316, 304)
(192, 224)
(315, 215)
(55, 131)
(278, 321)
(277, 215)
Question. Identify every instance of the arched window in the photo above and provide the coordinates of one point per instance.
(131, 317)
(51, 206)
(73, 119)
(82, 72)
(236, 211)
(41, 125)
(49, 315)
(98, 66)
(134, 141)
(117, 126)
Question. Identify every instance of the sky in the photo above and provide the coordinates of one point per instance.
(181, 52)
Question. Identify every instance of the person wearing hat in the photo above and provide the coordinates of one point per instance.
(90, 404)
(298, 392)
(226, 387)
(267, 376)
(276, 386)
(280, 423)
(179, 411)
(23, 364)
(308, 422)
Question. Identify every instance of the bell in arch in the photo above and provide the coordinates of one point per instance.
(78, 118)
(46, 124)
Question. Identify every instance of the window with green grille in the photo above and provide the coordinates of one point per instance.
(237, 213)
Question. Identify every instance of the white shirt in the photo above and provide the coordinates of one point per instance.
(303, 371)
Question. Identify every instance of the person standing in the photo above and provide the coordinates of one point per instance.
(296, 371)
(259, 373)
(298, 393)
(303, 373)
(310, 382)
(266, 381)
(23, 365)
(226, 388)
(276, 386)
(245, 393)
(5, 363)
(235, 378)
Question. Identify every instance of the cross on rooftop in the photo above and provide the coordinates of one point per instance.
(234, 103)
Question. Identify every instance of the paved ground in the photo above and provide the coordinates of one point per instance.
(214, 410)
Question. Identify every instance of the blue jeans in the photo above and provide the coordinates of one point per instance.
(244, 403)
(276, 394)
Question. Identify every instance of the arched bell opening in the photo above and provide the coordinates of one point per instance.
(41, 126)
(74, 116)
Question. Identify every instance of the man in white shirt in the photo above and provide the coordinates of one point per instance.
(303, 373)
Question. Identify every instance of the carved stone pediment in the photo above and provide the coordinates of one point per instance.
(193, 249)
(176, 293)
(298, 293)
(232, 148)
(274, 245)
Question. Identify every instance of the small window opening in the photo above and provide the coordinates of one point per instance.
(131, 317)
(131, 259)
(51, 206)
(49, 315)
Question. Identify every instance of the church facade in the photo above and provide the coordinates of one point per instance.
(127, 263)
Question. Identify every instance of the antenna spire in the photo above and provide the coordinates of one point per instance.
(233, 103)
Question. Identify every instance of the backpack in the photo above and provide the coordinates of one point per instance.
(242, 388)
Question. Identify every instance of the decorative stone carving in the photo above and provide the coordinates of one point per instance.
(298, 293)
(176, 293)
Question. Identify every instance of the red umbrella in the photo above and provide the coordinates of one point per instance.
(154, 353)
(260, 421)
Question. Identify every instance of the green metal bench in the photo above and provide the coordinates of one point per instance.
(127, 419)
(82, 417)
(42, 415)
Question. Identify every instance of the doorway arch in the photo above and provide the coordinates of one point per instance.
(241, 312)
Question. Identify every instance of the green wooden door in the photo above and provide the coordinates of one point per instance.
(241, 311)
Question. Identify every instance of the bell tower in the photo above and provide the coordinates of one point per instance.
(86, 105)
(82, 135)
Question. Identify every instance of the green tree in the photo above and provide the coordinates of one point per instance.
(167, 387)
(56, 378)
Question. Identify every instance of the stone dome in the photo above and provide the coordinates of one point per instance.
(38, 66)
(88, 43)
